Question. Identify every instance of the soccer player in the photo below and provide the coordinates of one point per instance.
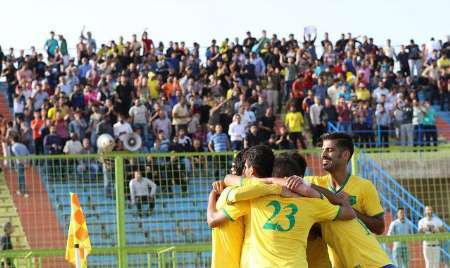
(277, 227)
(350, 243)
(228, 238)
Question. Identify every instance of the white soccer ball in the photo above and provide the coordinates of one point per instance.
(105, 143)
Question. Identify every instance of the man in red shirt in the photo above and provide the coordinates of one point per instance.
(36, 125)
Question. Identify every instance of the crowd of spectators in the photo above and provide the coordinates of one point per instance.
(278, 91)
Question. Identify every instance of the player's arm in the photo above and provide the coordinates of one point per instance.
(346, 212)
(214, 216)
(373, 213)
(255, 190)
(374, 223)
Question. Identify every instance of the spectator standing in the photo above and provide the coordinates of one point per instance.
(162, 123)
(383, 119)
(316, 123)
(36, 125)
(181, 114)
(73, 145)
(139, 117)
(414, 59)
(407, 128)
(219, 141)
(344, 113)
(142, 191)
(266, 123)
(20, 150)
(236, 131)
(328, 113)
(123, 96)
(400, 249)
(431, 224)
(51, 45)
(253, 137)
(290, 72)
(122, 127)
(417, 120)
(429, 124)
(294, 123)
(78, 125)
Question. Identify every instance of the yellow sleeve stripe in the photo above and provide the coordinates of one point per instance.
(338, 213)
(227, 215)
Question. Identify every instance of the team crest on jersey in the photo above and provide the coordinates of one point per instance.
(352, 199)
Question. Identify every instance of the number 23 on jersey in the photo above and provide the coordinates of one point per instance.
(289, 211)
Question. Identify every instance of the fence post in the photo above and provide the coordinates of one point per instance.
(120, 212)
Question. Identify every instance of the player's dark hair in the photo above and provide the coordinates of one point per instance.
(261, 158)
(300, 160)
(343, 140)
(239, 162)
(284, 166)
(401, 208)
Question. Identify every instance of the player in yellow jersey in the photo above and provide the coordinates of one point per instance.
(285, 229)
(227, 239)
(317, 254)
(262, 158)
(280, 226)
(351, 243)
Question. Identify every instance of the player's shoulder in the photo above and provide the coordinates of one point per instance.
(360, 181)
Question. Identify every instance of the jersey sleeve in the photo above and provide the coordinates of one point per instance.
(251, 189)
(237, 210)
(324, 210)
(371, 202)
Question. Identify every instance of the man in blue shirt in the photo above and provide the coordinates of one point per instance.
(400, 249)
(51, 45)
(320, 90)
(219, 143)
(18, 149)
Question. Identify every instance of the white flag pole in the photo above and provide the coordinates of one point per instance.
(77, 256)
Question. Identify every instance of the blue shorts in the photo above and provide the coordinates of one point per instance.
(389, 266)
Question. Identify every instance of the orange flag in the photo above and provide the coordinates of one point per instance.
(78, 234)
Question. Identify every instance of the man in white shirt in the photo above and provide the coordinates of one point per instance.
(142, 191)
(431, 249)
(333, 92)
(236, 131)
(389, 50)
(139, 116)
(73, 146)
(314, 116)
(181, 114)
(162, 123)
(122, 127)
(379, 91)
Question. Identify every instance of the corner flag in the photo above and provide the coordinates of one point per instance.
(78, 242)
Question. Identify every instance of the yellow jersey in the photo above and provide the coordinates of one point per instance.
(294, 121)
(240, 211)
(317, 253)
(227, 239)
(153, 87)
(350, 243)
(280, 228)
